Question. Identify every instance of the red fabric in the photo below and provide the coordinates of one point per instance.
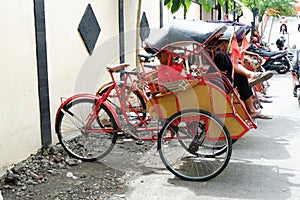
(245, 45)
(170, 73)
(235, 53)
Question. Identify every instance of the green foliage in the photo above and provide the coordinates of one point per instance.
(208, 5)
(278, 7)
(174, 5)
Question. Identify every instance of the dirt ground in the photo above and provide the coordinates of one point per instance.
(52, 174)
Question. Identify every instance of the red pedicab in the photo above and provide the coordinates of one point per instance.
(197, 116)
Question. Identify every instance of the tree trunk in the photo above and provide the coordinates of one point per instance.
(137, 46)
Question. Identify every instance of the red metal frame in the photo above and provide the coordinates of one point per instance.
(142, 125)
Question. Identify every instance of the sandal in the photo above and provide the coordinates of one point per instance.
(267, 96)
(263, 100)
(261, 116)
(260, 77)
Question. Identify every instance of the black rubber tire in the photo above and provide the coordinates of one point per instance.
(85, 146)
(194, 158)
(286, 68)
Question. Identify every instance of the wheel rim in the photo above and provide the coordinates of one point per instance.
(78, 143)
(194, 159)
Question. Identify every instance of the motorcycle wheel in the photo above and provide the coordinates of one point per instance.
(285, 67)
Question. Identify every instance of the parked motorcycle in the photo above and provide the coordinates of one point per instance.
(280, 45)
(275, 60)
(254, 40)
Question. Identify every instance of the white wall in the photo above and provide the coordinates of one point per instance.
(19, 119)
(71, 69)
(193, 12)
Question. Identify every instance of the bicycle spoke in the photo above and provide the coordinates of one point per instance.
(186, 155)
(81, 141)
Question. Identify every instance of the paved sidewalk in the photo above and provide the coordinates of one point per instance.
(265, 162)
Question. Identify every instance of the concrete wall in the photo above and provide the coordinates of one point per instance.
(19, 119)
(71, 69)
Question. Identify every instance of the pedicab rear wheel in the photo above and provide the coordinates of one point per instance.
(194, 145)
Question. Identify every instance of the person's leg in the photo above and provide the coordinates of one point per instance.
(244, 71)
(247, 97)
(295, 82)
(285, 28)
(245, 92)
(253, 77)
(249, 103)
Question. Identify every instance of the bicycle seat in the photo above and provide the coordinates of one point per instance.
(118, 67)
(146, 57)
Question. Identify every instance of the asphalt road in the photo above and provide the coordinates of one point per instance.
(265, 163)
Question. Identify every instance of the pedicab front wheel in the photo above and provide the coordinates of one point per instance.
(101, 136)
(194, 145)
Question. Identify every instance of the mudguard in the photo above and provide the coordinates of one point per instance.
(279, 55)
(78, 96)
(122, 82)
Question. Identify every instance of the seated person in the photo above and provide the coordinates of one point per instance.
(170, 71)
(240, 78)
(174, 72)
(258, 36)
